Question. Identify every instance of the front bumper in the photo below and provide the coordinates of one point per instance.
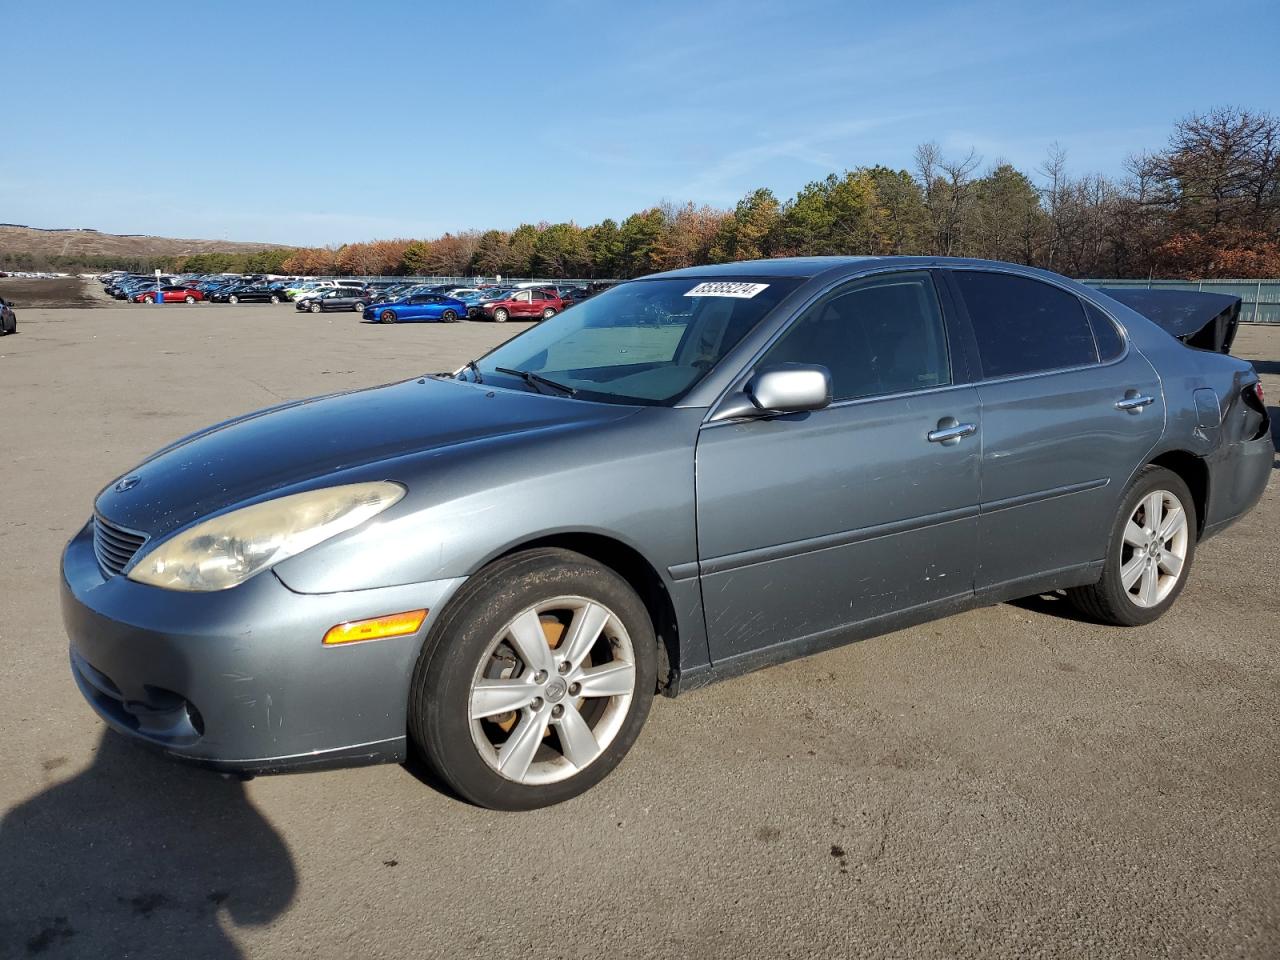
(239, 679)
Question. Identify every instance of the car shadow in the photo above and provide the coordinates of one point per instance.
(137, 856)
(1054, 604)
(1266, 366)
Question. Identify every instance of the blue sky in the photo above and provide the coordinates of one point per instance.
(318, 122)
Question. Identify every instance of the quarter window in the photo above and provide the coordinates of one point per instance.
(1105, 334)
(1024, 325)
(879, 336)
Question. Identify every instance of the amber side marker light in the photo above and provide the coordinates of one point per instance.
(376, 628)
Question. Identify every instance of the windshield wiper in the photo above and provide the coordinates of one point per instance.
(475, 371)
(534, 379)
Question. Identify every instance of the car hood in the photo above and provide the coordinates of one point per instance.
(305, 443)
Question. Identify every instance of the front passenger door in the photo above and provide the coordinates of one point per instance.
(809, 523)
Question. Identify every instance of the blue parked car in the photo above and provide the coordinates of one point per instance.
(418, 306)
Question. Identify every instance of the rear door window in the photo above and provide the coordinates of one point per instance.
(1025, 326)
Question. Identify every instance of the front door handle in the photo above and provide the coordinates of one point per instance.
(950, 431)
(1134, 402)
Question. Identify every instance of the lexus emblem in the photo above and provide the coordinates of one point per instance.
(128, 483)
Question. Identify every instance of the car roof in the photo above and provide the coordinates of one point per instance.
(775, 267)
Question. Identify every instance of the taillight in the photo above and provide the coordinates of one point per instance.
(1254, 399)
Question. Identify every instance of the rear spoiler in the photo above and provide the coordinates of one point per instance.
(1207, 321)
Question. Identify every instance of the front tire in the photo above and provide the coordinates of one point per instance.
(148, 299)
(233, 299)
(314, 308)
(535, 682)
(500, 315)
(274, 298)
(387, 316)
(1149, 555)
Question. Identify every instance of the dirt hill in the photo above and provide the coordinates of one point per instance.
(92, 243)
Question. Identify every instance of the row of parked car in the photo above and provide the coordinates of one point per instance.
(380, 301)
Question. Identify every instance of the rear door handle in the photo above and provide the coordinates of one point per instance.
(1134, 402)
(949, 432)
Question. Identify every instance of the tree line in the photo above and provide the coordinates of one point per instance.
(1206, 205)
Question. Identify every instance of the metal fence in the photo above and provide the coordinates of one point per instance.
(1260, 299)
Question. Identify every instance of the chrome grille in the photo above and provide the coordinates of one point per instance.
(114, 546)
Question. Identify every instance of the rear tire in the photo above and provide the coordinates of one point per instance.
(449, 316)
(274, 298)
(1145, 557)
(475, 644)
(548, 313)
(358, 307)
(189, 299)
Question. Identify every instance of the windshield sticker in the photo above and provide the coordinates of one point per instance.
(727, 288)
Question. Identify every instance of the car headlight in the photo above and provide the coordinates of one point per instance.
(227, 550)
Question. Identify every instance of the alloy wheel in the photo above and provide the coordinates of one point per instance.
(1154, 550)
(552, 690)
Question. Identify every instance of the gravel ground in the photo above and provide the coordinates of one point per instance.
(1010, 782)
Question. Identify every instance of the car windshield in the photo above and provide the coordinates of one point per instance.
(644, 342)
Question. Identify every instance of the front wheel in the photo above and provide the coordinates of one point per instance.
(500, 315)
(387, 316)
(148, 299)
(233, 299)
(449, 316)
(1153, 542)
(535, 682)
(314, 308)
(274, 298)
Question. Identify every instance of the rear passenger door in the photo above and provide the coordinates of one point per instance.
(1069, 411)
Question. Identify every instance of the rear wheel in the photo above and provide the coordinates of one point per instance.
(274, 298)
(449, 316)
(189, 298)
(358, 307)
(387, 316)
(535, 682)
(500, 315)
(548, 313)
(1153, 543)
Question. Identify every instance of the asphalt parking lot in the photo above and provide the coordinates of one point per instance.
(1011, 782)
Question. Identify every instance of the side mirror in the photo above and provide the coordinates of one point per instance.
(791, 388)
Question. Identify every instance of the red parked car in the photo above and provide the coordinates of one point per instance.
(170, 295)
(528, 304)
